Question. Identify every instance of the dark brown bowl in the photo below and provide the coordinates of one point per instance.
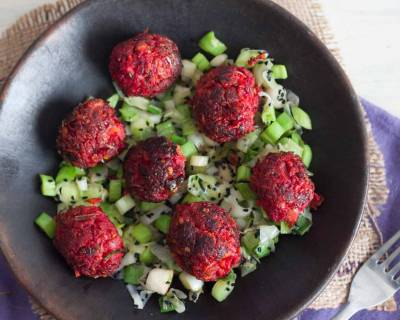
(69, 63)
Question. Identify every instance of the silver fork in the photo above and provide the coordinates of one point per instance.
(375, 282)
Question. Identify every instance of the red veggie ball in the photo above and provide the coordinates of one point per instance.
(92, 133)
(154, 169)
(283, 186)
(225, 103)
(145, 65)
(89, 242)
(204, 240)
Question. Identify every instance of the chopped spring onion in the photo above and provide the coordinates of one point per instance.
(69, 173)
(142, 233)
(184, 110)
(259, 72)
(199, 161)
(98, 174)
(297, 139)
(219, 60)
(48, 186)
(172, 301)
(188, 127)
(138, 102)
(147, 257)
(286, 121)
(151, 108)
(248, 267)
(190, 282)
(162, 223)
(268, 114)
(94, 191)
(223, 287)
(114, 190)
(178, 139)
(301, 117)
(307, 155)
(245, 56)
(68, 192)
(114, 164)
(272, 133)
(159, 280)
(259, 243)
(113, 214)
(197, 140)
(128, 259)
(82, 184)
(288, 145)
(196, 76)
(279, 71)
(166, 129)
(141, 129)
(113, 100)
(303, 224)
(152, 215)
(188, 69)
(243, 173)
(201, 62)
(133, 273)
(209, 43)
(206, 187)
(245, 191)
(47, 224)
(180, 94)
(244, 143)
(189, 198)
(147, 206)
(284, 228)
(163, 254)
(188, 149)
(128, 113)
(139, 298)
(125, 204)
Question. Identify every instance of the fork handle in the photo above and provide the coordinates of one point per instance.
(347, 311)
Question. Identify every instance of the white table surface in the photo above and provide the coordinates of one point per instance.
(368, 33)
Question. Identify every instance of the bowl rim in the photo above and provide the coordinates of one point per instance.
(304, 29)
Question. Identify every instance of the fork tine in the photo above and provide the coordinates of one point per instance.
(396, 268)
(382, 250)
(392, 256)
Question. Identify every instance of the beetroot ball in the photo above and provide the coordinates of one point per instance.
(92, 133)
(225, 103)
(89, 242)
(154, 169)
(204, 240)
(145, 65)
(283, 186)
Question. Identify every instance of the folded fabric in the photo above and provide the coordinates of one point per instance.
(14, 302)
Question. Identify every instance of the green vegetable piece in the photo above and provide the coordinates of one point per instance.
(133, 273)
(120, 172)
(284, 228)
(245, 191)
(286, 121)
(288, 145)
(268, 115)
(250, 242)
(189, 198)
(307, 155)
(245, 55)
(243, 173)
(303, 225)
(151, 108)
(188, 127)
(141, 134)
(209, 43)
(247, 267)
(272, 133)
(98, 174)
(147, 257)
(302, 118)
(69, 173)
(223, 287)
(147, 206)
(47, 224)
(184, 110)
(142, 233)
(178, 139)
(112, 213)
(113, 100)
(48, 186)
(297, 139)
(166, 128)
(114, 190)
(201, 62)
(165, 304)
(278, 71)
(188, 149)
(128, 113)
(162, 223)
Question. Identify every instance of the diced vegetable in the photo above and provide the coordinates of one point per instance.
(147, 206)
(245, 56)
(279, 71)
(48, 186)
(188, 69)
(307, 155)
(201, 62)
(189, 198)
(190, 282)
(112, 212)
(142, 233)
(248, 267)
(259, 243)
(284, 228)
(245, 191)
(219, 60)
(138, 102)
(69, 173)
(114, 190)
(180, 94)
(244, 143)
(223, 287)
(188, 149)
(272, 133)
(162, 223)
(147, 257)
(288, 145)
(98, 174)
(199, 161)
(303, 224)
(125, 204)
(82, 183)
(268, 114)
(286, 121)
(172, 301)
(301, 117)
(206, 187)
(211, 44)
(151, 108)
(133, 273)
(47, 224)
(243, 173)
(113, 100)
(178, 139)
(166, 128)
(94, 191)
(159, 280)
(68, 192)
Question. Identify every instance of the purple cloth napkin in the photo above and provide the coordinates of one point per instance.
(14, 302)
